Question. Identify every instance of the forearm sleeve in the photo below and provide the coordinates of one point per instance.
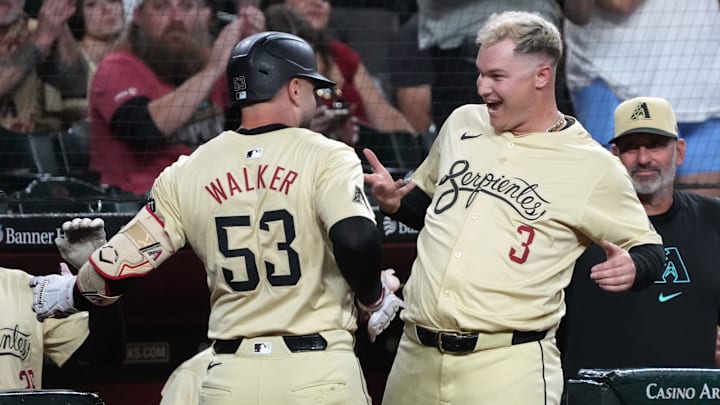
(106, 344)
(649, 264)
(412, 209)
(139, 247)
(133, 124)
(358, 252)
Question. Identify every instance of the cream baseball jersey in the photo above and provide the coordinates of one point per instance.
(257, 210)
(24, 340)
(508, 218)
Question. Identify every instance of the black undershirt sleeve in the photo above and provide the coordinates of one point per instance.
(357, 246)
(649, 264)
(412, 209)
(106, 343)
(133, 124)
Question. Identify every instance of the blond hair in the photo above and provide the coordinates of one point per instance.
(530, 32)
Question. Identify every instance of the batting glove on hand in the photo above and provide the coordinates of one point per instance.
(387, 307)
(53, 294)
(81, 237)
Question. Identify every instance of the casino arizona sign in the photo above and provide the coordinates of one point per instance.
(655, 392)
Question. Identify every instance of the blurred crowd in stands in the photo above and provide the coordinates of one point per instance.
(143, 81)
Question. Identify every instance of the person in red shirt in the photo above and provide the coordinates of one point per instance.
(342, 64)
(162, 92)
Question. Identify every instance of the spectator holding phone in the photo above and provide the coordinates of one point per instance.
(334, 116)
(341, 64)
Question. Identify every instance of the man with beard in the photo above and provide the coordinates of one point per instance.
(38, 58)
(673, 322)
(162, 92)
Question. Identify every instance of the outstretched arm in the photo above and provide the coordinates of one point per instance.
(106, 342)
(634, 269)
(138, 248)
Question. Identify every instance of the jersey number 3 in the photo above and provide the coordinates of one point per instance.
(253, 278)
(520, 255)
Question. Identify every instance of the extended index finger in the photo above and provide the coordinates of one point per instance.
(374, 161)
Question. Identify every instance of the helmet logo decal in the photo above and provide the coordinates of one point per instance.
(239, 87)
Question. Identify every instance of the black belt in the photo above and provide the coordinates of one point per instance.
(302, 343)
(461, 343)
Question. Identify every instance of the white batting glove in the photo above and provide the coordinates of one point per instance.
(53, 294)
(385, 310)
(81, 237)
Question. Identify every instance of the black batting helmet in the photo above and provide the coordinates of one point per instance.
(262, 63)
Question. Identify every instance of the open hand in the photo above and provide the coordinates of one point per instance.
(617, 273)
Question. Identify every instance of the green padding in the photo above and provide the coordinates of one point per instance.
(666, 386)
(49, 397)
(589, 392)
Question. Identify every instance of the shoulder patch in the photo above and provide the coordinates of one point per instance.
(151, 202)
(359, 197)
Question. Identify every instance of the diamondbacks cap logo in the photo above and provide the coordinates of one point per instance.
(641, 112)
(647, 115)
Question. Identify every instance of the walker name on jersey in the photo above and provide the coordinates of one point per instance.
(18, 237)
(518, 193)
(252, 178)
(14, 343)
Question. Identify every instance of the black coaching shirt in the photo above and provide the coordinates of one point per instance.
(673, 322)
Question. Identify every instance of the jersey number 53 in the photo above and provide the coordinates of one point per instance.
(223, 223)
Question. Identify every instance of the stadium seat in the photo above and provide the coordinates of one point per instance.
(74, 149)
(70, 195)
(399, 152)
(27, 157)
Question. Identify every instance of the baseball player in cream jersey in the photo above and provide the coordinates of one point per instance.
(24, 340)
(278, 215)
(509, 196)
